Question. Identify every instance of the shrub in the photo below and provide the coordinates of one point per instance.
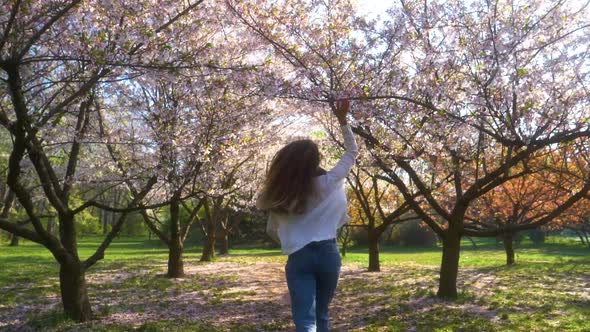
(359, 236)
(537, 236)
(413, 233)
(134, 225)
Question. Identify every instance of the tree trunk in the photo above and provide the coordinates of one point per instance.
(374, 265)
(211, 231)
(208, 249)
(224, 243)
(13, 240)
(587, 239)
(51, 226)
(175, 261)
(344, 238)
(447, 287)
(508, 247)
(74, 294)
(580, 236)
(473, 244)
(105, 221)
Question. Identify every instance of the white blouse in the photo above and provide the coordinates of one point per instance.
(327, 208)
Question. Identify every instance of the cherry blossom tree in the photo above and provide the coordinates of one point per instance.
(481, 100)
(380, 208)
(231, 181)
(6, 195)
(177, 163)
(235, 186)
(196, 121)
(195, 128)
(57, 59)
(465, 92)
(375, 205)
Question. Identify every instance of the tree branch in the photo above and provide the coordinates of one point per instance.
(550, 216)
(46, 27)
(99, 253)
(13, 12)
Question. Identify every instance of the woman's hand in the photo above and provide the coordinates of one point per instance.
(342, 109)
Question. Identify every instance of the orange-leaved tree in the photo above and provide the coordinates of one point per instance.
(538, 198)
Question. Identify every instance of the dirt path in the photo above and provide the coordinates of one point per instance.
(223, 294)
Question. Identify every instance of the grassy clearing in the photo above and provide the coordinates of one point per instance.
(486, 254)
(547, 290)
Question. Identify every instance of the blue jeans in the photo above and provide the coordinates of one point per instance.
(312, 275)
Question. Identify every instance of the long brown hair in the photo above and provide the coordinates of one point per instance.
(289, 180)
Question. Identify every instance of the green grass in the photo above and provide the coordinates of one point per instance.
(547, 290)
(487, 254)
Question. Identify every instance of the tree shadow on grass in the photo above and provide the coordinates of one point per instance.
(251, 295)
(264, 254)
(51, 319)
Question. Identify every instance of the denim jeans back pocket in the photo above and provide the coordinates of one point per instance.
(298, 260)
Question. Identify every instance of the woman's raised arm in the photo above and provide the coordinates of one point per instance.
(344, 165)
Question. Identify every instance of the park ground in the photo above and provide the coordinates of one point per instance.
(547, 290)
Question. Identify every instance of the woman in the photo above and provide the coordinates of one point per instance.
(306, 207)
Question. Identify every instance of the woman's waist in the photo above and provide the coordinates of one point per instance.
(321, 243)
(327, 246)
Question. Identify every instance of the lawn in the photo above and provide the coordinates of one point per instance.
(547, 290)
